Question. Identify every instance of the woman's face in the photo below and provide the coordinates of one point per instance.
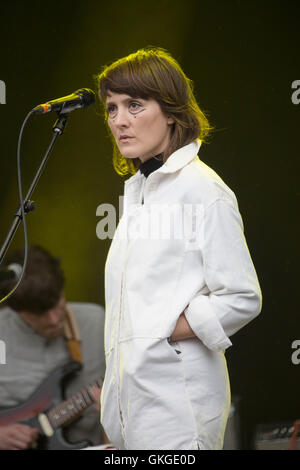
(139, 127)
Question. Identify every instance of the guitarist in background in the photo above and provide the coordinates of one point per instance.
(33, 326)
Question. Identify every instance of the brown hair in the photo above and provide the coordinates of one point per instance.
(42, 284)
(153, 73)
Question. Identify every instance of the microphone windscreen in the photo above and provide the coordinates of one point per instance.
(87, 95)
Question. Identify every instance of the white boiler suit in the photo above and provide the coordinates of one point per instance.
(157, 394)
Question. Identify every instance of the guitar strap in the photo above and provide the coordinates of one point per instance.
(72, 336)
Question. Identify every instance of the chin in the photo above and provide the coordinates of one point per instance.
(131, 155)
(54, 333)
(128, 152)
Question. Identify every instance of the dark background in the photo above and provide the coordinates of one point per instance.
(242, 57)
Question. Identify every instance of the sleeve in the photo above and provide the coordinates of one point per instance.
(234, 296)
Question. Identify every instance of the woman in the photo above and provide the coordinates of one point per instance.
(179, 278)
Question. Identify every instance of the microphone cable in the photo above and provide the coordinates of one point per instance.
(19, 172)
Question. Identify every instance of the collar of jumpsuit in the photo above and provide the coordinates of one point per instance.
(138, 186)
(175, 162)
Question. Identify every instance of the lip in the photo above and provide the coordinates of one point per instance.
(125, 138)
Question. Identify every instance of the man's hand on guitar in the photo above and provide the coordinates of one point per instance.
(17, 437)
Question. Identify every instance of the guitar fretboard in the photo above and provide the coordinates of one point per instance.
(70, 409)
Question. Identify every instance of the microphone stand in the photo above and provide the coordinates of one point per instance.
(28, 205)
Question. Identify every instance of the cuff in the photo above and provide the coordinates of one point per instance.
(205, 324)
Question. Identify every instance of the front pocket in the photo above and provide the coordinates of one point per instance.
(175, 346)
(175, 349)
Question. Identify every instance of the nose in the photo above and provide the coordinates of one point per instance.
(121, 119)
(53, 318)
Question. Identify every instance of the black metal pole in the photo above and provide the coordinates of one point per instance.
(28, 205)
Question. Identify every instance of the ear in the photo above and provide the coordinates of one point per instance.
(170, 120)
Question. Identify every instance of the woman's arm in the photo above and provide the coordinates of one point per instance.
(234, 293)
(182, 330)
(234, 296)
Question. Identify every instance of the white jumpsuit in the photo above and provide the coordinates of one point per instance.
(179, 247)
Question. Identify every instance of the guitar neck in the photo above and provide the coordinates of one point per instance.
(73, 407)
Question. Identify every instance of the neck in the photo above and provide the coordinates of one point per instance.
(151, 165)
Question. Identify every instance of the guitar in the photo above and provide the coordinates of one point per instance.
(46, 411)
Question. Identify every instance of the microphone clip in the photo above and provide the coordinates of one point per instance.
(61, 122)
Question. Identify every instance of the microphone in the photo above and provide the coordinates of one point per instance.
(81, 98)
(12, 272)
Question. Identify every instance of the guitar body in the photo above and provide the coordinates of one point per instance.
(48, 395)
